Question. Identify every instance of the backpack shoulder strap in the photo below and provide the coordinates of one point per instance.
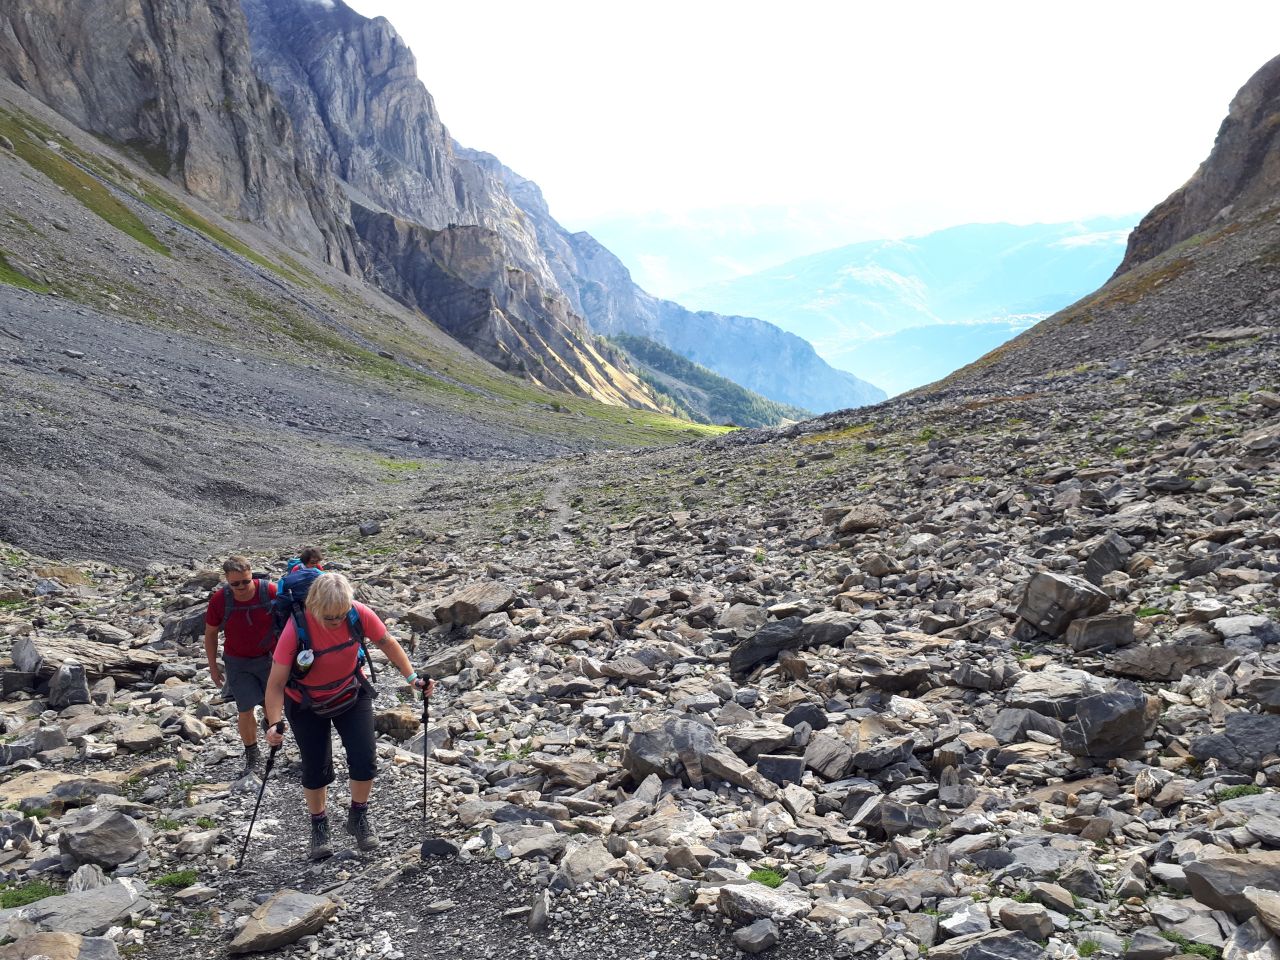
(228, 601)
(355, 626)
(300, 627)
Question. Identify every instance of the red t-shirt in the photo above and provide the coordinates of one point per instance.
(333, 666)
(248, 629)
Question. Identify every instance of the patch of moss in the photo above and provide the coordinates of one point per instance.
(177, 880)
(770, 878)
(25, 134)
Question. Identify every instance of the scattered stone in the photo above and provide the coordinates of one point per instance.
(284, 919)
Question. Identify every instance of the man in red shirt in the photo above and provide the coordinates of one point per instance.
(242, 610)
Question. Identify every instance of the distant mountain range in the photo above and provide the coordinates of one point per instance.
(902, 313)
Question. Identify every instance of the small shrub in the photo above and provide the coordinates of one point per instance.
(206, 823)
(770, 878)
(177, 880)
(1088, 948)
(168, 823)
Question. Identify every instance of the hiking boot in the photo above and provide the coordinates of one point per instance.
(252, 756)
(358, 826)
(320, 849)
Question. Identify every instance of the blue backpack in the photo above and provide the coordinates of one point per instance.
(291, 604)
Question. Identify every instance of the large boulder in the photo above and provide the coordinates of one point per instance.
(1220, 882)
(1188, 650)
(862, 519)
(1053, 600)
(285, 918)
(1100, 634)
(749, 902)
(108, 840)
(993, 945)
(1108, 725)
(69, 686)
(1247, 740)
(473, 603)
(766, 644)
(89, 913)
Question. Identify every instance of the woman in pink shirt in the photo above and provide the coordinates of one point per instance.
(320, 687)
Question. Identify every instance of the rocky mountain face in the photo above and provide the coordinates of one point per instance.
(757, 355)
(354, 122)
(309, 119)
(175, 81)
(1241, 175)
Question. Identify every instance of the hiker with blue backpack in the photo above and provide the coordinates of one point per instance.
(318, 684)
(241, 610)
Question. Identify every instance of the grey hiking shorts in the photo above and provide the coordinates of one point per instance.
(247, 680)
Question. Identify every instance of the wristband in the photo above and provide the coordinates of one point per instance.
(411, 677)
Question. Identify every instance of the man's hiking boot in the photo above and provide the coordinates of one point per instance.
(320, 849)
(252, 757)
(358, 826)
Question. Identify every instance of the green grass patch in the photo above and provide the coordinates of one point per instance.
(1087, 948)
(78, 183)
(1191, 947)
(1231, 793)
(397, 465)
(178, 880)
(1148, 612)
(206, 823)
(25, 893)
(770, 878)
(845, 433)
(168, 823)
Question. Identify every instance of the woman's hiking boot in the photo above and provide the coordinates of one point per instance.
(320, 849)
(358, 826)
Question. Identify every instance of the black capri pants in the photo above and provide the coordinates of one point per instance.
(315, 741)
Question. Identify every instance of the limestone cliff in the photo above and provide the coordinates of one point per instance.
(175, 81)
(1242, 173)
(364, 118)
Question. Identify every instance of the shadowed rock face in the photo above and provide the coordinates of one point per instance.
(459, 277)
(174, 80)
(1241, 174)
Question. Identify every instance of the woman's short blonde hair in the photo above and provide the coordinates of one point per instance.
(330, 595)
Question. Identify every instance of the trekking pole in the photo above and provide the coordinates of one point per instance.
(266, 772)
(426, 722)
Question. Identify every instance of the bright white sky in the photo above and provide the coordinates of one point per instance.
(904, 117)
